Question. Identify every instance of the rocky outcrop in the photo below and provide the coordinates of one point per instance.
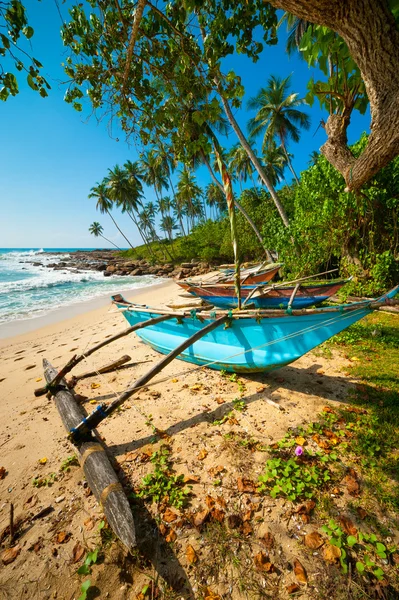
(110, 263)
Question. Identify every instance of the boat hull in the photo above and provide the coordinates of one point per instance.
(278, 297)
(248, 345)
(251, 279)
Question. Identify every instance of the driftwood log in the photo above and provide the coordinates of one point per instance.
(93, 459)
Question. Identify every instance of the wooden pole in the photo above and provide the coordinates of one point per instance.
(106, 369)
(103, 411)
(98, 470)
(77, 359)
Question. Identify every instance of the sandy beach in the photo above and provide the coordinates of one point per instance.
(33, 441)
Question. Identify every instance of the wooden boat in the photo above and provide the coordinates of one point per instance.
(250, 341)
(278, 296)
(247, 277)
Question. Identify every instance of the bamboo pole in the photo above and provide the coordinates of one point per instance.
(103, 411)
(106, 369)
(76, 359)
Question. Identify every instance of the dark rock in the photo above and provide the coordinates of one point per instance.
(107, 273)
(187, 265)
(136, 272)
(101, 267)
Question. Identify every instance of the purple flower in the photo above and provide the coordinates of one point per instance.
(299, 450)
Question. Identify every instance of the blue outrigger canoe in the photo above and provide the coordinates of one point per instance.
(250, 341)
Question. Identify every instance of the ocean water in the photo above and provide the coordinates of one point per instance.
(28, 291)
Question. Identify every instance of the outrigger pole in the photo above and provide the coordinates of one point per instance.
(80, 432)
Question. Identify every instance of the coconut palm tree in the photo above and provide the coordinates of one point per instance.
(215, 199)
(277, 115)
(189, 193)
(153, 172)
(97, 230)
(274, 162)
(104, 204)
(168, 225)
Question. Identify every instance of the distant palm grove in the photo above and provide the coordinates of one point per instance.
(310, 223)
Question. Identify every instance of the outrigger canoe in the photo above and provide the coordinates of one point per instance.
(249, 341)
(247, 277)
(278, 296)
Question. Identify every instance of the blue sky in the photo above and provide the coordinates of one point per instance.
(50, 155)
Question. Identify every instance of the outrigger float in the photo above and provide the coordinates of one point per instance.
(244, 341)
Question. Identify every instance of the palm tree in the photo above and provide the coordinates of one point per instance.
(188, 194)
(97, 230)
(104, 204)
(153, 172)
(277, 115)
(274, 162)
(215, 198)
(240, 164)
(168, 225)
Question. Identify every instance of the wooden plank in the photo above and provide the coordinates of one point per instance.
(105, 369)
(99, 473)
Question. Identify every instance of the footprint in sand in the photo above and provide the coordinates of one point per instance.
(62, 344)
(20, 358)
(19, 352)
(72, 349)
(30, 367)
(3, 379)
(40, 351)
(76, 339)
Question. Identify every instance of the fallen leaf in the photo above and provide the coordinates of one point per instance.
(245, 485)
(262, 562)
(77, 552)
(220, 400)
(164, 530)
(246, 528)
(200, 517)
(347, 526)
(174, 380)
(62, 537)
(217, 515)
(196, 387)
(395, 558)
(313, 540)
(210, 502)
(300, 440)
(94, 386)
(203, 454)
(191, 479)
(352, 485)
(43, 461)
(321, 443)
(220, 500)
(305, 508)
(9, 555)
(234, 521)
(39, 379)
(214, 471)
(327, 409)
(361, 512)
(89, 524)
(260, 389)
(191, 555)
(248, 515)
(292, 588)
(336, 491)
(169, 516)
(331, 553)
(31, 501)
(3, 472)
(268, 540)
(305, 518)
(300, 572)
(209, 595)
(171, 537)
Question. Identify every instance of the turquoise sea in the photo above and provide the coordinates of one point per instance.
(28, 291)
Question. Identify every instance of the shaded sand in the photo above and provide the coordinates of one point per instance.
(185, 408)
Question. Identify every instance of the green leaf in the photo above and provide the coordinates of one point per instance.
(351, 541)
(31, 82)
(28, 32)
(360, 567)
(84, 570)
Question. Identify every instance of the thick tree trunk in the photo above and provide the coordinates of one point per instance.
(370, 32)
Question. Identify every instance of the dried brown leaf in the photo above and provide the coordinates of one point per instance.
(200, 517)
(202, 454)
(246, 528)
(217, 515)
(191, 555)
(3, 472)
(172, 536)
(305, 508)
(77, 552)
(313, 540)
(245, 485)
(169, 516)
(31, 501)
(214, 471)
(62, 537)
(220, 400)
(163, 529)
(300, 572)
(268, 540)
(331, 553)
(262, 562)
(9, 555)
(352, 485)
(234, 521)
(292, 588)
(347, 525)
(210, 502)
(300, 440)
(247, 516)
(89, 524)
(191, 479)
(361, 512)
(220, 500)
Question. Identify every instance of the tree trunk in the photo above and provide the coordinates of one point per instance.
(251, 154)
(371, 34)
(119, 229)
(288, 159)
(103, 236)
(240, 208)
(133, 218)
